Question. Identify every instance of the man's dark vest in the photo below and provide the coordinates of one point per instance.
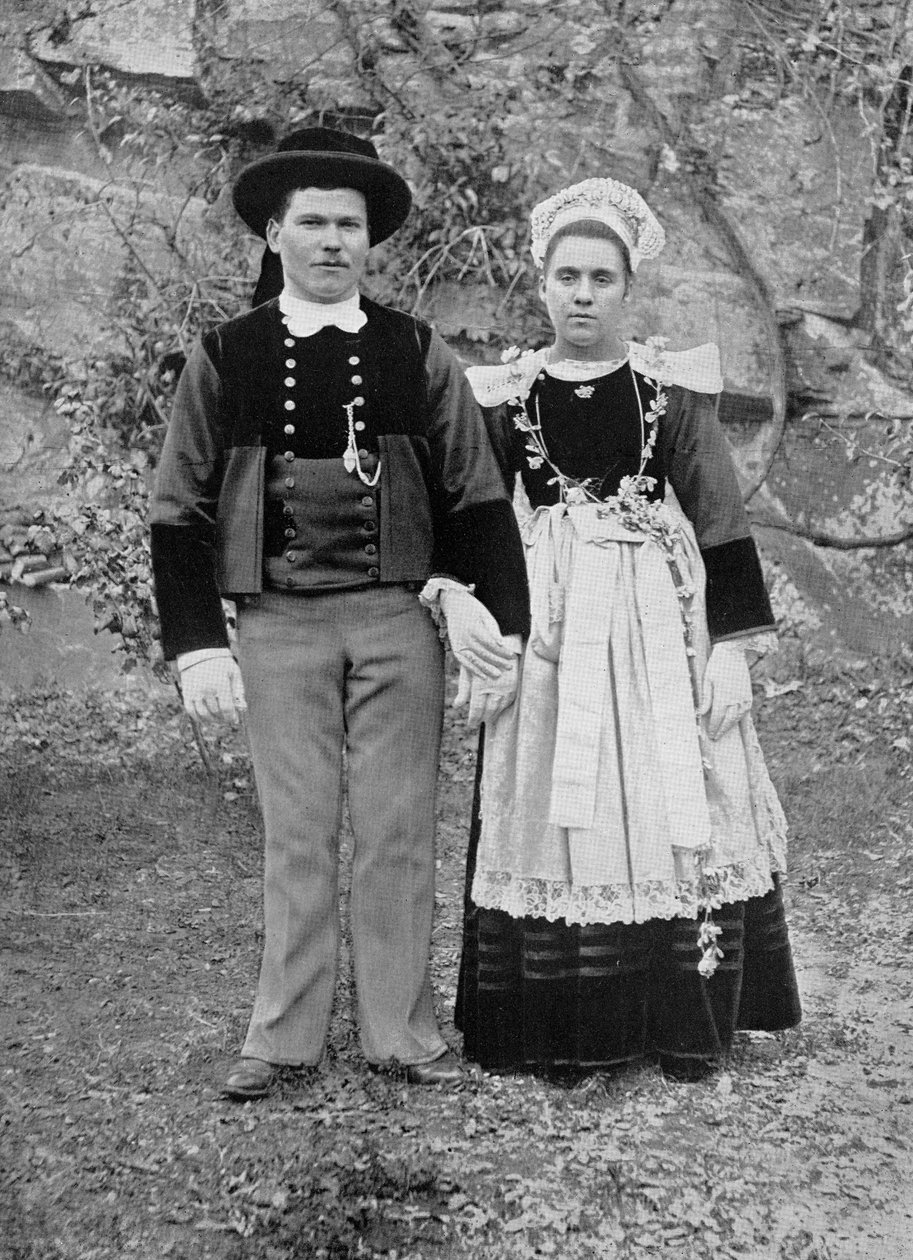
(301, 398)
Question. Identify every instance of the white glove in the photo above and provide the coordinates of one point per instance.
(488, 697)
(211, 685)
(474, 636)
(726, 693)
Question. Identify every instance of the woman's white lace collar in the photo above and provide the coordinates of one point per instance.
(583, 370)
(697, 369)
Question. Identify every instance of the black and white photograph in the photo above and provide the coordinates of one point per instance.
(456, 630)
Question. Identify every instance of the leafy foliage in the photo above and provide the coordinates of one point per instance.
(480, 133)
(133, 895)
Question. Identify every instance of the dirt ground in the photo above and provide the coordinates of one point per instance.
(130, 939)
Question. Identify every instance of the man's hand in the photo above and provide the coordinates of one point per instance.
(211, 685)
(474, 636)
(487, 697)
(726, 692)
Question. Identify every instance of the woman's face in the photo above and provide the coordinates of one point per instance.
(584, 290)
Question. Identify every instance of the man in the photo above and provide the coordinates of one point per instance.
(325, 457)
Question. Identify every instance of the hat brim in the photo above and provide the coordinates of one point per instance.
(265, 182)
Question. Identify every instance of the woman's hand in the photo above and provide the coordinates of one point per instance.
(726, 693)
(489, 697)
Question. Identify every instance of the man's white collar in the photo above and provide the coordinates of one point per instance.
(304, 318)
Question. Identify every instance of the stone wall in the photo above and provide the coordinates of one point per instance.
(78, 214)
(778, 184)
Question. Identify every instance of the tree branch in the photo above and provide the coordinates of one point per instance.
(833, 541)
(720, 222)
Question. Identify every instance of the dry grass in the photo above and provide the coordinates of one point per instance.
(131, 946)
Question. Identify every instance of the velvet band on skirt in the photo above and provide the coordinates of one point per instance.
(547, 996)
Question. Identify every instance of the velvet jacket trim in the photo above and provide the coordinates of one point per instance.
(443, 504)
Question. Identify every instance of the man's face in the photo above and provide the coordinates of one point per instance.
(322, 240)
(584, 290)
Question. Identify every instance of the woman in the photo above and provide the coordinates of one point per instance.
(623, 894)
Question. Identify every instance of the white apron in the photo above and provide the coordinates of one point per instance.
(603, 799)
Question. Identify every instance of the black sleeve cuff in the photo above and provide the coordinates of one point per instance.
(188, 599)
(737, 600)
(481, 545)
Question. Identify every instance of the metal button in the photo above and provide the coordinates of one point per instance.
(290, 482)
(372, 572)
(289, 363)
(289, 381)
(291, 556)
(370, 527)
(367, 501)
(362, 453)
(356, 380)
(291, 533)
(289, 456)
(289, 429)
(370, 550)
(288, 510)
(290, 341)
(354, 360)
(359, 401)
(289, 405)
(359, 425)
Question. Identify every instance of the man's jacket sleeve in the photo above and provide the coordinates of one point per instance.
(183, 514)
(476, 535)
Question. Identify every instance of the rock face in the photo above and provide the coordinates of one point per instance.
(60, 649)
(81, 215)
(32, 439)
(26, 92)
(286, 40)
(686, 54)
(147, 38)
(72, 240)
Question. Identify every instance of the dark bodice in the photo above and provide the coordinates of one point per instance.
(591, 430)
(597, 435)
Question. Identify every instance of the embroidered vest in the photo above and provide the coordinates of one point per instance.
(303, 399)
(329, 526)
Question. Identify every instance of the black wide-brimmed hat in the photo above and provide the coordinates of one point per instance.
(321, 157)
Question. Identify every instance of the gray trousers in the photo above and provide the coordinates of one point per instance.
(360, 670)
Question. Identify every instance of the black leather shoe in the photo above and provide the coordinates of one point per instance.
(447, 1070)
(248, 1078)
(687, 1068)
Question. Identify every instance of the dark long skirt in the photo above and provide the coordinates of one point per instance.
(540, 996)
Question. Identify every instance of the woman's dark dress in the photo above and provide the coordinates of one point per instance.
(536, 995)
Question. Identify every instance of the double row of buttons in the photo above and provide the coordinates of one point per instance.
(289, 430)
(370, 526)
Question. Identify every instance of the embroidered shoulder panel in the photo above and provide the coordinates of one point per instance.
(697, 369)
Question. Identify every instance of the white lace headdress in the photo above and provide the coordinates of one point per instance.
(608, 201)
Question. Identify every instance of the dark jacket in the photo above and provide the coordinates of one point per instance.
(443, 505)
